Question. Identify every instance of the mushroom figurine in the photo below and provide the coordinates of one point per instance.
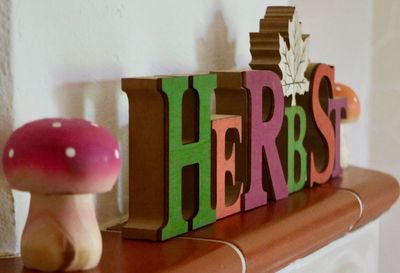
(352, 115)
(62, 162)
(353, 103)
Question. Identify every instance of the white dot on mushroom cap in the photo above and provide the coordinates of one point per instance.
(56, 124)
(94, 124)
(11, 153)
(338, 88)
(70, 152)
(355, 99)
(116, 153)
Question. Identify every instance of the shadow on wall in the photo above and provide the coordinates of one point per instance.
(99, 102)
(7, 214)
(215, 51)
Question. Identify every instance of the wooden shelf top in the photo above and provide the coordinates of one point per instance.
(264, 239)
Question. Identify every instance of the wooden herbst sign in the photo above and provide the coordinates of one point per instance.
(276, 130)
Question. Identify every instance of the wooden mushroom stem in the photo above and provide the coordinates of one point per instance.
(61, 233)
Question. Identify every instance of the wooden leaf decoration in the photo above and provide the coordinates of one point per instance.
(281, 47)
(294, 61)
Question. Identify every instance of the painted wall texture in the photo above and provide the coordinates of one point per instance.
(7, 216)
(66, 58)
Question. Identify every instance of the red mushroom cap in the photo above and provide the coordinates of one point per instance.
(61, 156)
(353, 103)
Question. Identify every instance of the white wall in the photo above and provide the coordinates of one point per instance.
(384, 130)
(361, 38)
(67, 58)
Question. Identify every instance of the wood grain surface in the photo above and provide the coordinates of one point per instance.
(269, 237)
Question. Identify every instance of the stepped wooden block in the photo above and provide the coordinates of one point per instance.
(264, 45)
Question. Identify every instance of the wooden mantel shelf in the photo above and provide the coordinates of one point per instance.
(262, 240)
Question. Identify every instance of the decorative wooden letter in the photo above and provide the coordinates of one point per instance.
(227, 200)
(175, 88)
(296, 145)
(323, 123)
(183, 175)
(263, 139)
(170, 188)
(181, 155)
(147, 153)
(336, 106)
(231, 98)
